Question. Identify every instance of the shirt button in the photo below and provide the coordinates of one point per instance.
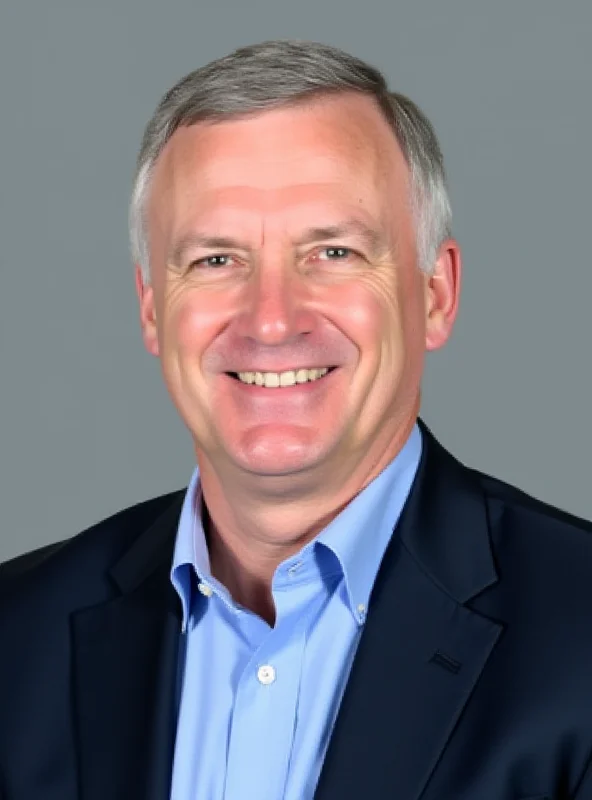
(266, 675)
(205, 590)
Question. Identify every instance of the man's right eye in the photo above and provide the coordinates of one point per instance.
(217, 260)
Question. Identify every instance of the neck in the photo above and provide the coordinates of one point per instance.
(249, 533)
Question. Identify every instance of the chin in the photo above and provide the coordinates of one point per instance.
(278, 455)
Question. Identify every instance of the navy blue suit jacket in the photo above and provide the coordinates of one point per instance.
(472, 681)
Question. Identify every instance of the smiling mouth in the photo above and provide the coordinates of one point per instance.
(281, 380)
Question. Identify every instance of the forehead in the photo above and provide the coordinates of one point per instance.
(338, 150)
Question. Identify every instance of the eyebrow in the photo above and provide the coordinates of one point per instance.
(373, 239)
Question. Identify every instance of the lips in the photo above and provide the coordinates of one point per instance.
(279, 371)
(294, 390)
(235, 375)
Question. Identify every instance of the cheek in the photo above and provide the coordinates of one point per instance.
(364, 313)
(190, 324)
(385, 319)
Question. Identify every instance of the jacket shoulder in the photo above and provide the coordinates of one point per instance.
(530, 537)
(102, 543)
(503, 497)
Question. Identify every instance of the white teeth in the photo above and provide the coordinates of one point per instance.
(272, 380)
(287, 378)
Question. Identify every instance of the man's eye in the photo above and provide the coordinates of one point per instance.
(219, 260)
(336, 253)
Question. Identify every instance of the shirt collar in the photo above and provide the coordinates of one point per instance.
(357, 537)
(190, 546)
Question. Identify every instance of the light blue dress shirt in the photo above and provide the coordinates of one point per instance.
(258, 704)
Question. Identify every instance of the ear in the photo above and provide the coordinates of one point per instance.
(145, 294)
(442, 294)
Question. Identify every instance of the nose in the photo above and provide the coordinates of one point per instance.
(274, 310)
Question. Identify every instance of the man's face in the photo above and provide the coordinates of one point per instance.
(247, 276)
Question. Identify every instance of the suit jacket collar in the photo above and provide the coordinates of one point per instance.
(152, 551)
(420, 654)
(444, 524)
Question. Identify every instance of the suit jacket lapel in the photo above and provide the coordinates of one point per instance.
(422, 649)
(125, 655)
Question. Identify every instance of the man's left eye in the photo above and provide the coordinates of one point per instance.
(336, 253)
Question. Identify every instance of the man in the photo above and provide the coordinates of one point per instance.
(335, 607)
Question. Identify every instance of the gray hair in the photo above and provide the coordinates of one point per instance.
(282, 73)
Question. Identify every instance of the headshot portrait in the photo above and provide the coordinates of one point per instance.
(333, 602)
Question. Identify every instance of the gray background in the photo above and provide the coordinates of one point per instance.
(86, 425)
